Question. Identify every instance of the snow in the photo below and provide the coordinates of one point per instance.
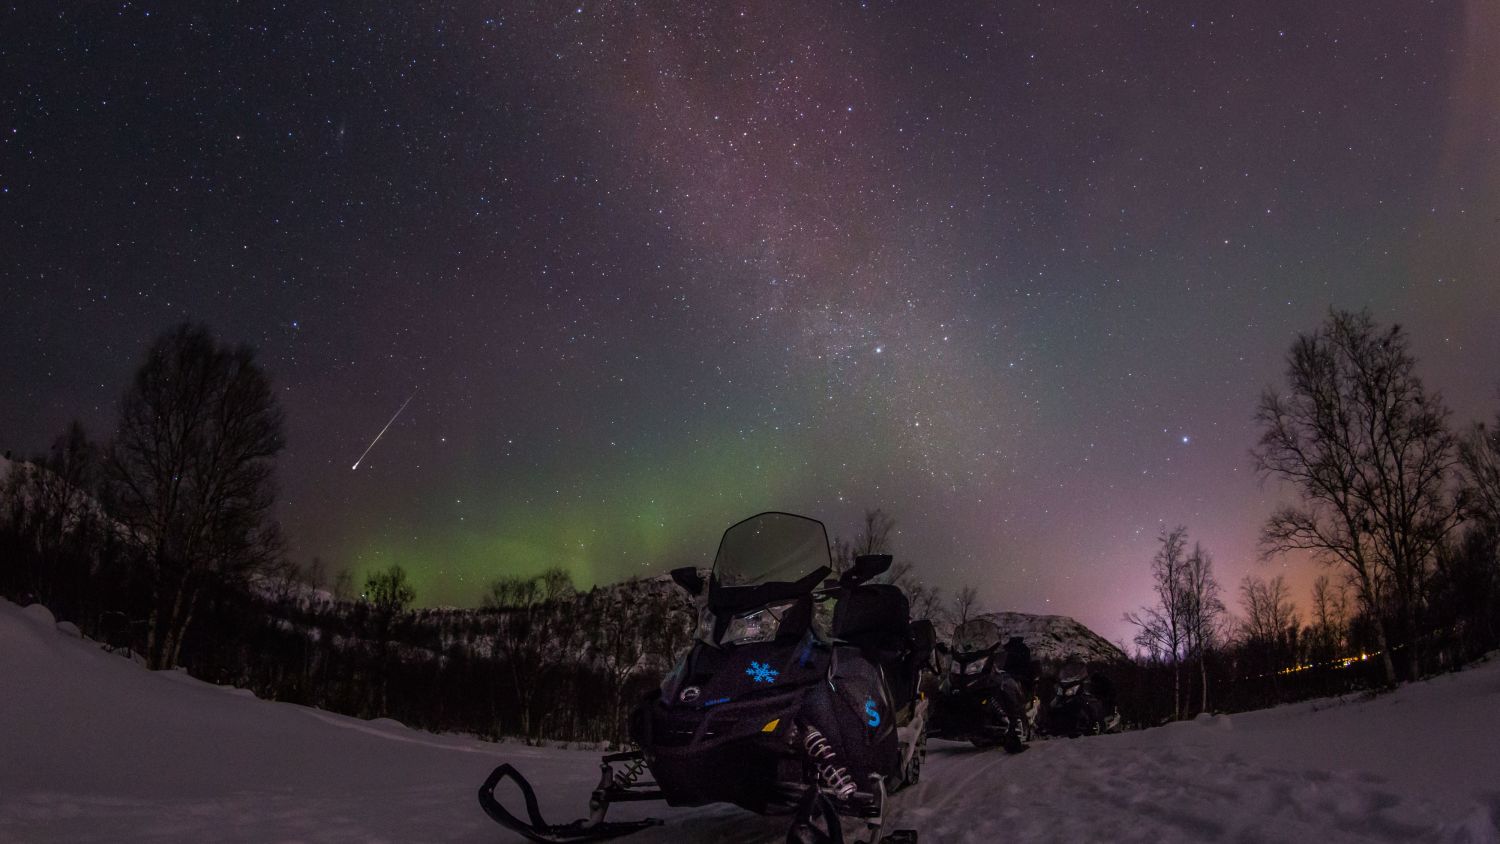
(95, 748)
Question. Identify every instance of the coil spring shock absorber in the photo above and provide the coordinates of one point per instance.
(821, 751)
(632, 772)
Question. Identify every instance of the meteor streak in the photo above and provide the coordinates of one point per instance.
(383, 430)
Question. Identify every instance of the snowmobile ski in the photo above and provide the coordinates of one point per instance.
(592, 828)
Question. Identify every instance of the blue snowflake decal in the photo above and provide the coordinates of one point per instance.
(762, 672)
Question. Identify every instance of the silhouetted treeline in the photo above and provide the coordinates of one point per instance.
(161, 543)
(566, 668)
(448, 670)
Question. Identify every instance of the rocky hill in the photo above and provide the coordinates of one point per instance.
(1055, 638)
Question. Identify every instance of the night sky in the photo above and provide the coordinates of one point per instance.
(1014, 272)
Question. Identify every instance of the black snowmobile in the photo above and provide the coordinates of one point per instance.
(1082, 703)
(765, 711)
(978, 701)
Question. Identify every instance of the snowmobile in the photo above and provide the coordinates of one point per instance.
(765, 711)
(1082, 703)
(977, 700)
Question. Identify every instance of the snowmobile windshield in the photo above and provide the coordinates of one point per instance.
(975, 635)
(1073, 673)
(766, 557)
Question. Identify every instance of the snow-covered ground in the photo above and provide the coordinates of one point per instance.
(95, 748)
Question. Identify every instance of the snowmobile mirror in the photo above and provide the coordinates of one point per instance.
(867, 566)
(689, 579)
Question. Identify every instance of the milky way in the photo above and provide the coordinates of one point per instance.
(1015, 273)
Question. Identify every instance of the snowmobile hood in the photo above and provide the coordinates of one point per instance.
(715, 676)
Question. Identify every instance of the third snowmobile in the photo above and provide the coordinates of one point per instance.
(765, 710)
(1082, 703)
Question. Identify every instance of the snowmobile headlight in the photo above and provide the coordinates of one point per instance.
(758, 626)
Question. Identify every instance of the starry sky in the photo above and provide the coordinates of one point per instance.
(1015, 272)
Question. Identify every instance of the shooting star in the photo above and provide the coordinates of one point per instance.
(383, 430)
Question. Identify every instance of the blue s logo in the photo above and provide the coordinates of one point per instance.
(871, 713)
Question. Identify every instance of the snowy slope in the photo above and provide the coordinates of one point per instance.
(94, 748)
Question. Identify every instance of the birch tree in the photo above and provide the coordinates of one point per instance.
(190, 475)
(1202, 613)
(1366, 448)
(1161, 628)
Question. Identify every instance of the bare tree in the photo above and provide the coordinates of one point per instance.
(1161, 630)
(1329, 615)
(282, 580)
(842, 551)
(965, 606)
(1368, 450)
(56, 511)
(1479, 453)
(1202, 613)
(874, 537)
(389, 591)
(619, 646)
(189, 474)
(1269, 612)
(926, 601)
(531, 615)
(875, 533)
(62, 488)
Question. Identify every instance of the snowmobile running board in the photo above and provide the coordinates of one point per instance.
(593, 828)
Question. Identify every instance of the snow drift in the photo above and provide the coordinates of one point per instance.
(95, 748)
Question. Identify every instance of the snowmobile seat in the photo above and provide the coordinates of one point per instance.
(876, 618)
(1017, 657)
(923, 641)
(1102, 688)
(905, 682)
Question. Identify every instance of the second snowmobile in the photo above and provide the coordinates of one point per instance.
(977, 700)
(765, 710)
